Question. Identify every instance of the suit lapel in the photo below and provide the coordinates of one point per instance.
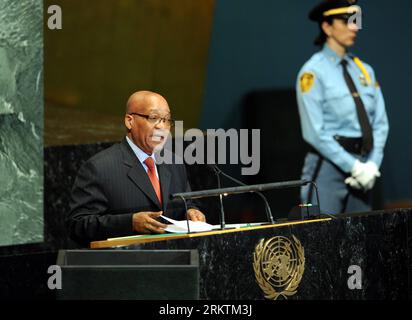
(140, 178)
(137, 173)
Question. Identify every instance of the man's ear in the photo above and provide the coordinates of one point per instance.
(128, 121)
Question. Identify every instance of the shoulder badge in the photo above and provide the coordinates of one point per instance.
(306, 81)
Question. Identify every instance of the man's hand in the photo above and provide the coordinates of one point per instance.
(144, 223)
(196, 215)
(365, 175)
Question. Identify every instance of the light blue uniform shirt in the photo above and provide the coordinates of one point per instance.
(141, 155)
(328, 108)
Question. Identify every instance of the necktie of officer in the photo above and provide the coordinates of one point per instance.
(367, 137)
(151, 172)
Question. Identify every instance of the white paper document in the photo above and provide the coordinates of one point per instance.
(181, 226)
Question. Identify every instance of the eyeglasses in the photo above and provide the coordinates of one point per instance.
(153, 119)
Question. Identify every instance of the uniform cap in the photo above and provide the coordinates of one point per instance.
(333, 8)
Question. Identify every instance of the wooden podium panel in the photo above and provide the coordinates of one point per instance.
(139, 239)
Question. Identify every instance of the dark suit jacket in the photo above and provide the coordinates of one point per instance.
(113, 185)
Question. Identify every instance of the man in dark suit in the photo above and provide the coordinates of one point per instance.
(121, 191)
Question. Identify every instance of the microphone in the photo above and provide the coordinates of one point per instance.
(218, 171)
(238, 190)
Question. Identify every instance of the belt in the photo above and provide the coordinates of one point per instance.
(351, 145)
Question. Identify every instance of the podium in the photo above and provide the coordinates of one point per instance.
(128, 274)
(377, 244)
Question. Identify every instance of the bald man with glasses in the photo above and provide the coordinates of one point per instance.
(122, 191)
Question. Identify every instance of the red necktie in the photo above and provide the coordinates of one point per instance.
(153, 178)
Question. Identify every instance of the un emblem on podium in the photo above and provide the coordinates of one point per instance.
(279, 264)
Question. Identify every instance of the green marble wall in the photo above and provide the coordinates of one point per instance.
(21, 121)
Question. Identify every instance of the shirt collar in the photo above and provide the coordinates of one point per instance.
(333, 56)
(140, 154)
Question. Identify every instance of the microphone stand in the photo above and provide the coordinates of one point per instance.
(238, 190)
(261, 195)
(313, 183)
(222, 210)
(187, 216)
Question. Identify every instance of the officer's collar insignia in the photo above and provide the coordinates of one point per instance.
(306, 81)
(363, 80)
(362, 68)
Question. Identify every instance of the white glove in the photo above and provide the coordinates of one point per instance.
(353, 183)
(365, 174)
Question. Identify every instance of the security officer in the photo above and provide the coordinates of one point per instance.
(342, 113)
